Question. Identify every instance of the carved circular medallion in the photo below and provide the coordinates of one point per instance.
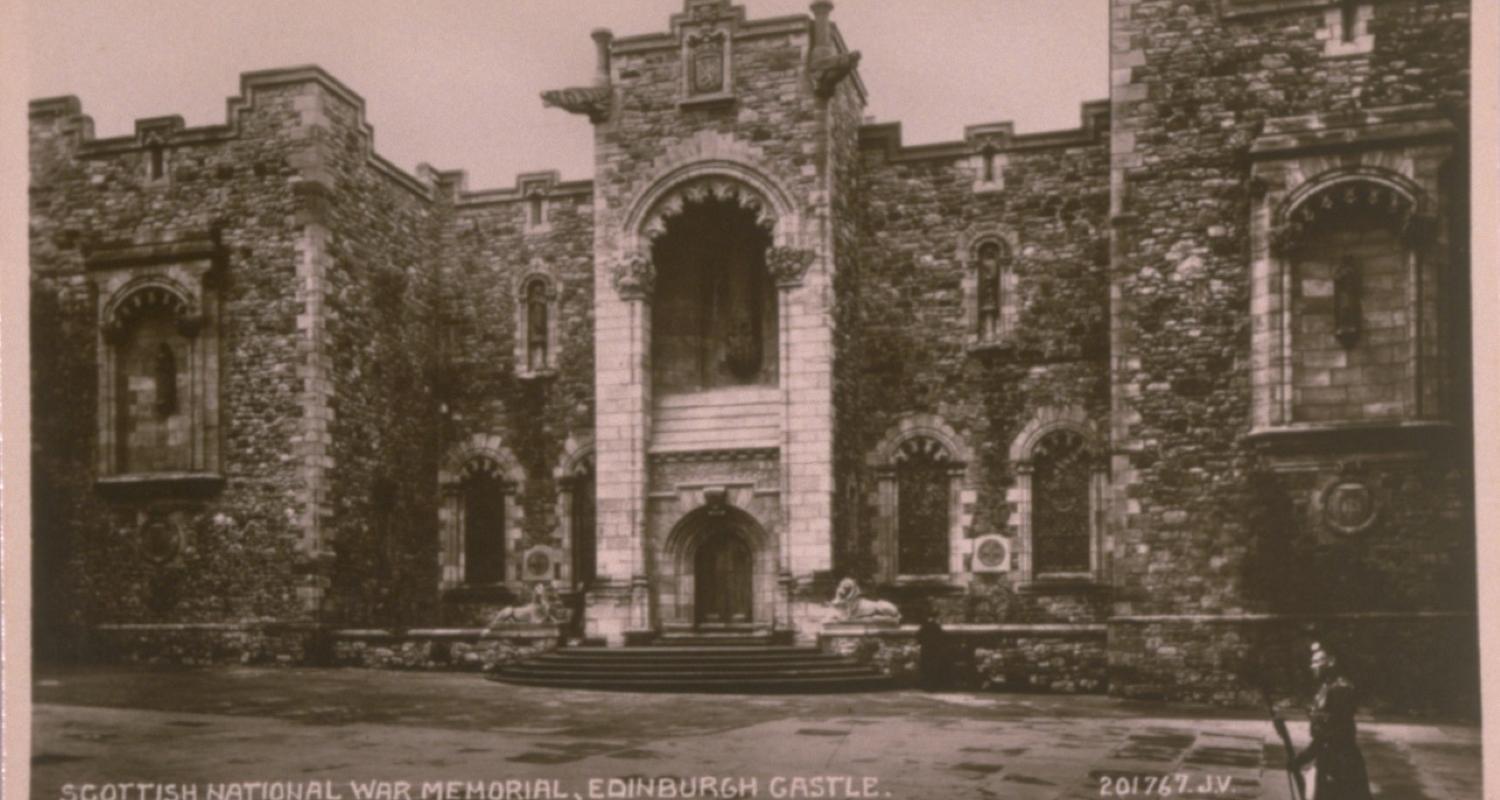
(161, 541)
(1349, 506)
(991, 553)
(538, 563)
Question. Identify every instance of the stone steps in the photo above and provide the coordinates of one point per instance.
(741, 668)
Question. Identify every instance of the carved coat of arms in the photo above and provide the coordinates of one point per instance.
(706, 63)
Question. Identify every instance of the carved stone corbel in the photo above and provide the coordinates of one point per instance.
(788, 265)
(634, 278)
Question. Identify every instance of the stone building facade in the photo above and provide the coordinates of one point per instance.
(1165, 394)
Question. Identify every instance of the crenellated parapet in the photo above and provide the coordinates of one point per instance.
(999, 137)
(167, 133)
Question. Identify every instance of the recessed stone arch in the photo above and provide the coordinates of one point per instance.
(918, 425)
(1045, 421)
(681, 549)
(720, 178)
(1341, 177)
(144, 294)
(1369, 190)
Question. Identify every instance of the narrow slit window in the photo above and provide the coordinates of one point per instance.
(158, 157)
(1348, 19)
(538, 209)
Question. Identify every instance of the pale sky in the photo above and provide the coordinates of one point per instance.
(455, 83)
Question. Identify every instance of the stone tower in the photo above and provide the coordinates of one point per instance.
(717, 150)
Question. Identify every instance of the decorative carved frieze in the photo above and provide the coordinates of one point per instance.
(634, 278)
(713, 187)
(1361, 197)
(701, 456)
(787, 265)
(590, 101)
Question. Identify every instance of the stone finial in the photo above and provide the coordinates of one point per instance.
(787, 265)
(634, 278)
(822, 34)
(603, 38)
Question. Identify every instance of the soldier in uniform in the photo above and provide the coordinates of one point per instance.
(1333, 750)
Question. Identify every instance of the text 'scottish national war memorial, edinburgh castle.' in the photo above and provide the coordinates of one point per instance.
(1137, 407)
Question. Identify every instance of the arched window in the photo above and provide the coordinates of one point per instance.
(922, 508)
(480, 520)
(714, 312)
(483, 502)
(1057, 497)
(1061, 532)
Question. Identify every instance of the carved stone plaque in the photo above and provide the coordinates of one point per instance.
(1349, 506)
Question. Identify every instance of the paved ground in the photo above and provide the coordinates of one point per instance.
(357, 735)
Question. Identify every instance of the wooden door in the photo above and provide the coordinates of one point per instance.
(722, 574)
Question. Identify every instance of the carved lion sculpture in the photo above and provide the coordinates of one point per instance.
(543, 608)
(853, 608)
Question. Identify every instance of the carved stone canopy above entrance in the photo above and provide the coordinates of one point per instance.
(713, 187)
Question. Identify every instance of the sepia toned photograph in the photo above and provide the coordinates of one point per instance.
(616, 399)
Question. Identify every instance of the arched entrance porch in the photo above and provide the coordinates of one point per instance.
(719, 570)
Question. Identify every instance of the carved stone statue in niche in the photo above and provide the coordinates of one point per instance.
(166, 380)
(537, 357)
(1347, 303)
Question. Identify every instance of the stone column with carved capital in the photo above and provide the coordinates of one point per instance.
(634, 278)
(787, 265)
(622, 348)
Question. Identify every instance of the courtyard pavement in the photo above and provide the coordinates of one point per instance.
(285, 734)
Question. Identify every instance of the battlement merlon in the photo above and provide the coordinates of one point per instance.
(547, 183)
(999, 137)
